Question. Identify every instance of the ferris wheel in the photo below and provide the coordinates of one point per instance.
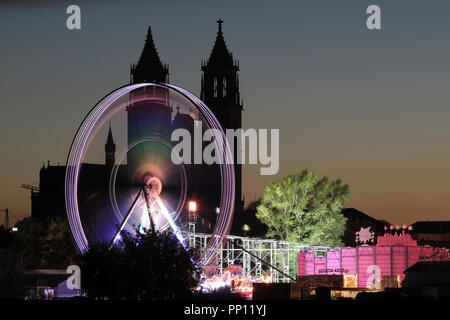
(138, 185)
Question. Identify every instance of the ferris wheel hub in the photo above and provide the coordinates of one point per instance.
(152, 185)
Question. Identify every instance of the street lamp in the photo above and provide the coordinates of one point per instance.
(192, 208)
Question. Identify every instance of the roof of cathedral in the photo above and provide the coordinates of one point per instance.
(220, 54)
(149, 66)
(436, 227)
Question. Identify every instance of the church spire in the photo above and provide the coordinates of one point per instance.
(220, 75)
(220, 54)
(149, 67)
(110, 150)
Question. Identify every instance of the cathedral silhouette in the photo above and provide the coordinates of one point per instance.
(219, 91)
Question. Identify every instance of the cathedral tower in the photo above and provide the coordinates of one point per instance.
(220, 92)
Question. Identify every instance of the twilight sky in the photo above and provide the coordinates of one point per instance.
(368, 107)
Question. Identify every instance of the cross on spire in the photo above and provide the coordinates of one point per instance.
(220, 21)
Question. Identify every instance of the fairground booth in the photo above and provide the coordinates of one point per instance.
(371, 266)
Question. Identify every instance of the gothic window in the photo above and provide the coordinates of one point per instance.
(224, 87)
(215, 87)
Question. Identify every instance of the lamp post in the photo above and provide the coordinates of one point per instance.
(192, 207)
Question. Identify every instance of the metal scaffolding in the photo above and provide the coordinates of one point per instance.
(277, 255)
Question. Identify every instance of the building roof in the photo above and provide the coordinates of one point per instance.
(436, 227)
(44, 277)
(427, 273)
(220, 56)
(429, 266)
(352, 213)
(149, 67)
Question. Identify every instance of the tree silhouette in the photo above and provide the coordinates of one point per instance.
(11, 274)
(44, 244)
(56, 247)
(149, 266)
(26, 241)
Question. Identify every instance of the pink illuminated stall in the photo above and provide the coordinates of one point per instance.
(369, 265)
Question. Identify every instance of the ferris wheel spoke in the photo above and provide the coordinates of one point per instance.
(125, 219)
(169, 219)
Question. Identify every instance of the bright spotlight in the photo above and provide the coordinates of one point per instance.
(192, 206)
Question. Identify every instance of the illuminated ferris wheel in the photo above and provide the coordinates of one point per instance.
(141, 183)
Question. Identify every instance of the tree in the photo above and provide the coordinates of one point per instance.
(11, 274)
(44, 244)
(301, 208)
(56, 247)
(26, 241)
(149, 266)
(6, 237)
(102, 276)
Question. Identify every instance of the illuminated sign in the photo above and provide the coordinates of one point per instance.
(333, 270)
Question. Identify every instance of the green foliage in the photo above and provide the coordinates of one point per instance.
(150, 266)
(26, 241)
(56, 248)
(36, 244)
(44, 244)
(301, 208)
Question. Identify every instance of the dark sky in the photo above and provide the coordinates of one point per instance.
(368, 107)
